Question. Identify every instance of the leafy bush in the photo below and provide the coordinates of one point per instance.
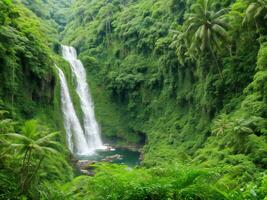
(119, 182)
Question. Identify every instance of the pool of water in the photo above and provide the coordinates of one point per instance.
(126, 156)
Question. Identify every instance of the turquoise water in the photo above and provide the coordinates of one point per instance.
(130, 158)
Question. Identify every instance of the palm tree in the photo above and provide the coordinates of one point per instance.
(179, 44)
(32, 143)
(205, 28)
(256, 11)
(221, 125)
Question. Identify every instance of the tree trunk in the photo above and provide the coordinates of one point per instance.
(216, 62)
(23, 165)
(27, 182)
(25, 176)
(13, 88)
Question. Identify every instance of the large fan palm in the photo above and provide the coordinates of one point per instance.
(205, 28)
(32, 144)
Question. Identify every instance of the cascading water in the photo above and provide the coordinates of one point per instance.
(91, 128)
(75, 135)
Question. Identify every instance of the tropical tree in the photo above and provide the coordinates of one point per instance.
(205, 28)
(221, 125)
(179, 44)
(34, 143)
(257, 12)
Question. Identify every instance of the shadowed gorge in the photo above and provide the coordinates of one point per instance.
(159, 99)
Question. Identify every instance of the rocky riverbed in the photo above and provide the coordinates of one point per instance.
(111, 155)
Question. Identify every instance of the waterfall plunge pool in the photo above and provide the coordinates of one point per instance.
(118, 156)
(84, 138)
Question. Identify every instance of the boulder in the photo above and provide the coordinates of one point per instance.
(85, 164)
(112, 158)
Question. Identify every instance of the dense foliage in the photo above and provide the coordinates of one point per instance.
(26, 63)
(53, 11)
(31, 159)
(187, 78)
(189, 75)
(120, 182)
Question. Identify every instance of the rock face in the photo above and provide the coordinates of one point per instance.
(85, 164)
(86, 167)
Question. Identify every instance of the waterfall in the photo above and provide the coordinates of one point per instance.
(90, 125)
(75, 136)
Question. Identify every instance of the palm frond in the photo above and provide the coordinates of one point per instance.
(16, 136)
(46, 138)
(51, 150)
(219, 30)
(221, 22)
(54, 144)
(220, 13)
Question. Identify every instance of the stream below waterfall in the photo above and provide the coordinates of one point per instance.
(118, 156)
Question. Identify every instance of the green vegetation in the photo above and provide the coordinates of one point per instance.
(188, 77)
(32, 160)
(30, 144)
(52, 11)
(26, 63)
(120, 182)
(29, 167)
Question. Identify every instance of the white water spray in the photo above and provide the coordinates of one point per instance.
(91, 128)
(75, 136)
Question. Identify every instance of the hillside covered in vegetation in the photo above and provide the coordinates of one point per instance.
(183, 80)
